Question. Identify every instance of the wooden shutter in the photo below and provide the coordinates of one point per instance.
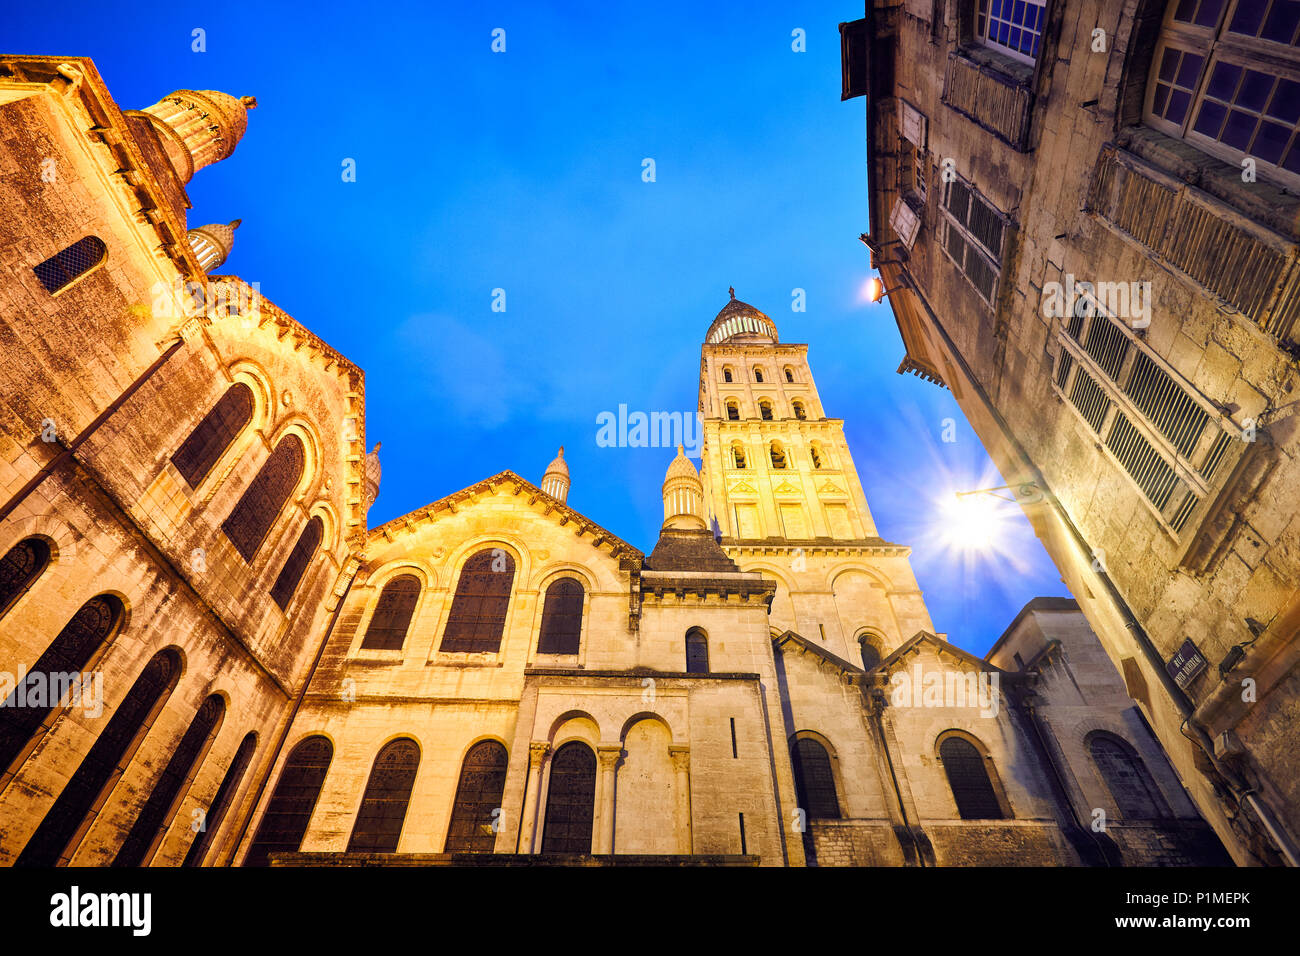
(855, 59)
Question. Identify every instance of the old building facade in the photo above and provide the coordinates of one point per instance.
(1085, 215)
(209, 658)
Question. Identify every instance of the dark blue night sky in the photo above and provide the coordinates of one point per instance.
(522, 171)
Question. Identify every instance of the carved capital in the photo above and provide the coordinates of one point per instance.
(608, 755)
(537, 753)
(681, 758)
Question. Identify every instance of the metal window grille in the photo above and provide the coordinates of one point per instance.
(205, 445)
(478, 796)
(101, 764)
(388, 792)
(562, 618)
(63, 268)
(478, 612)
(570, 800)
(969, 780)
(296, 566)
(252, 518)
(285, 822)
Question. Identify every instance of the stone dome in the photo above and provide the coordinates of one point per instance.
(199, 127)
(741, 321)
(212, 243)
(683, 494)
(555, 482)
(373, 473)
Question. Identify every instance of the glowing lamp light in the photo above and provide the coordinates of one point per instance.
(974, 522)
(874, 290)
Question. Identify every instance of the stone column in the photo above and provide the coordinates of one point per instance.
(528, 842)
(681, 758)
(607, 755)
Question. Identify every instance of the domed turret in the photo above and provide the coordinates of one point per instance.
(212, 243)
(556, 480)
(742, 322)
(199, 127)
(683, 495)
(372, 475)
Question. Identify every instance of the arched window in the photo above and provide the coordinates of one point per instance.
(814, 780)
(478, 613)
(66, 267)
(285, 822)
(726, 375)
(799, 411)
(570, 800)
(251, 521)
(789, 374)
(870, 653)
(392, 617)
(765, 410)
(561, 618)
(1209, 83)
(738, 454)
(34, 699)
(697, 652)
(103, 764)
(778, 455)
(969, 780)
(157, 812)
(478, 796)
(1136, 794)
(222, 801)
(758, 375)
(733, 410)
(1013, 27)
(19, 569)
(383, 807)
(206, 444)
(816, 454)
(296, 564)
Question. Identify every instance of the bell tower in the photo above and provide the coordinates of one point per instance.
(781, 489)
(776, 467)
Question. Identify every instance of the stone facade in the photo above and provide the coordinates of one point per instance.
(492, 678)
(1148, 420)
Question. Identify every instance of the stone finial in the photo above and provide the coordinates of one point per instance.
(373, 472)
(212, 243)
(555, 480)
(683, 494)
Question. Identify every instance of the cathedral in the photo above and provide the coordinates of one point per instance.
(208, 657)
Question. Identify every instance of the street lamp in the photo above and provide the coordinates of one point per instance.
(974, 522)
(875, 290)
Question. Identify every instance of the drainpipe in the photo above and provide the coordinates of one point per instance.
(874, 705)
(1180, 699)
(1079, 834)
(86, 432)
(293, 713)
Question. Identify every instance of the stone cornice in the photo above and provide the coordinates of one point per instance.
(821, 547)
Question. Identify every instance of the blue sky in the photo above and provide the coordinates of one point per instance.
(522, 171)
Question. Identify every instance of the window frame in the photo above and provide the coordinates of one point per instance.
(1214, 45)
(1215, 444)
(984, 40)
(972, 243)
